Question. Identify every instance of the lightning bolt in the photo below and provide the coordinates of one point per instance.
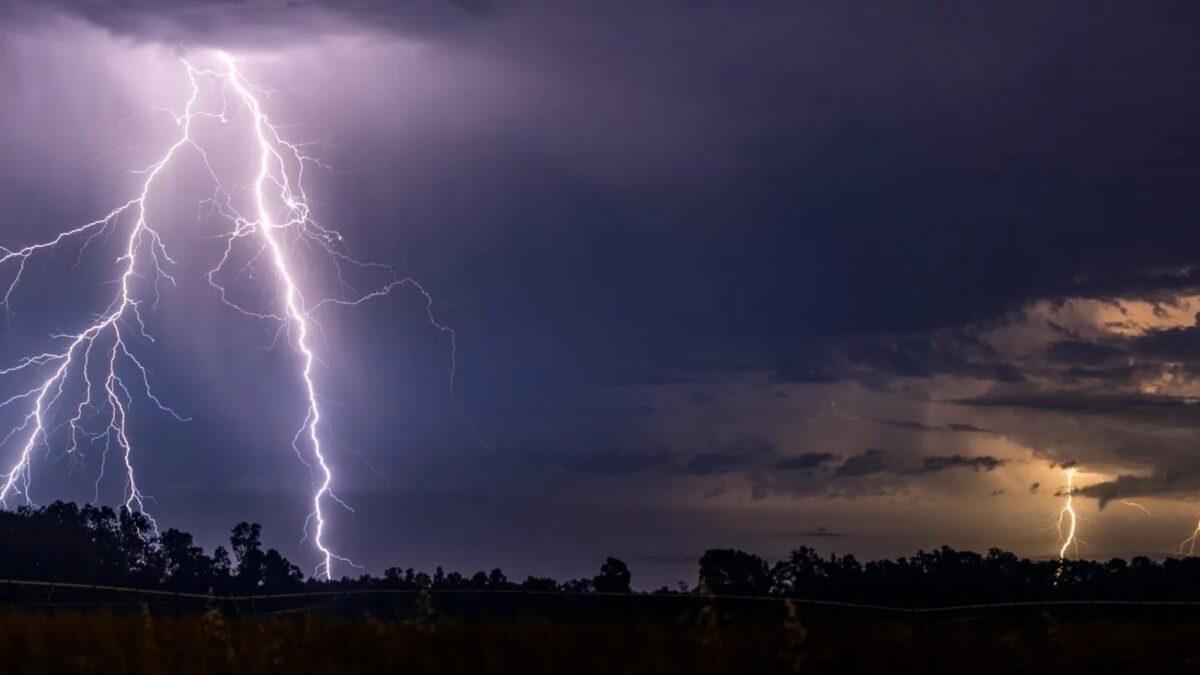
(1190, 542)
(1065, 523)
(121, 316)
(1135, 505)
(280, 224)
(297, 315)
(1067, 520)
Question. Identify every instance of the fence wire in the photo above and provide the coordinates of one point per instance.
(262, 603)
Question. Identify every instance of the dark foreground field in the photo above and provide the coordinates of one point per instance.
(86, 589)
(1019, 641)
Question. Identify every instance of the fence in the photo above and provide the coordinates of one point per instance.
(30, 594)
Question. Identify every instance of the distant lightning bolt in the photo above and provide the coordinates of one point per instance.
(1135, 505)
(1065, 524)
(280, 211)
(1067, 520)
(1190, 542)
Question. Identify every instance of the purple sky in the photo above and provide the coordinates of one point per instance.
(853, 276)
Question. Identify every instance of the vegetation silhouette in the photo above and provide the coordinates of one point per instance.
(99, 545)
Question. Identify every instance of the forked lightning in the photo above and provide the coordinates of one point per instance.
(1068, 519)
(280, 217)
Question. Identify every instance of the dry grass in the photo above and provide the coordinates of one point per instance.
(96, 642)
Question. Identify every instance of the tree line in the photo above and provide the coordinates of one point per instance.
(64, 542)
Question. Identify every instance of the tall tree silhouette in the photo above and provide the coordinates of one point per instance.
(185, 565)
(257, 569)
(614, 577)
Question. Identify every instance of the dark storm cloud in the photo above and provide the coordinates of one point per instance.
(1171, 411)
(938, 463)
(871, 461)
(1157, 484)
(1117, 361)
(1016, 122)
(707, 463)
(725, 461)
(874, 360)
(1173, 344)
(910, 425)
(803, 461)
(874, 461)
(761, 469)
(925, 356)
(960, 427)
(955, 427)
(1086, 353)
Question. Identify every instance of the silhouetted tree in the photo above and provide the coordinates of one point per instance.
(732, 572)
(246, 542)
(496, 580)
(577, 586)
(278, 573)
(222, 567)
(185, 565)
(257, 569)
(613, 578)
(540, 584)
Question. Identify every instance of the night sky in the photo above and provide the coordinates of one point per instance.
(862, 276)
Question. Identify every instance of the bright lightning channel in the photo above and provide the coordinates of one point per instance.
(277, 186)
(1067, 520)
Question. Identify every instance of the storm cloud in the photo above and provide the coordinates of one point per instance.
(870, 461)
(944, 463)
(803, 461)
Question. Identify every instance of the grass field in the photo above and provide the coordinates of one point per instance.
(1036, 641)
